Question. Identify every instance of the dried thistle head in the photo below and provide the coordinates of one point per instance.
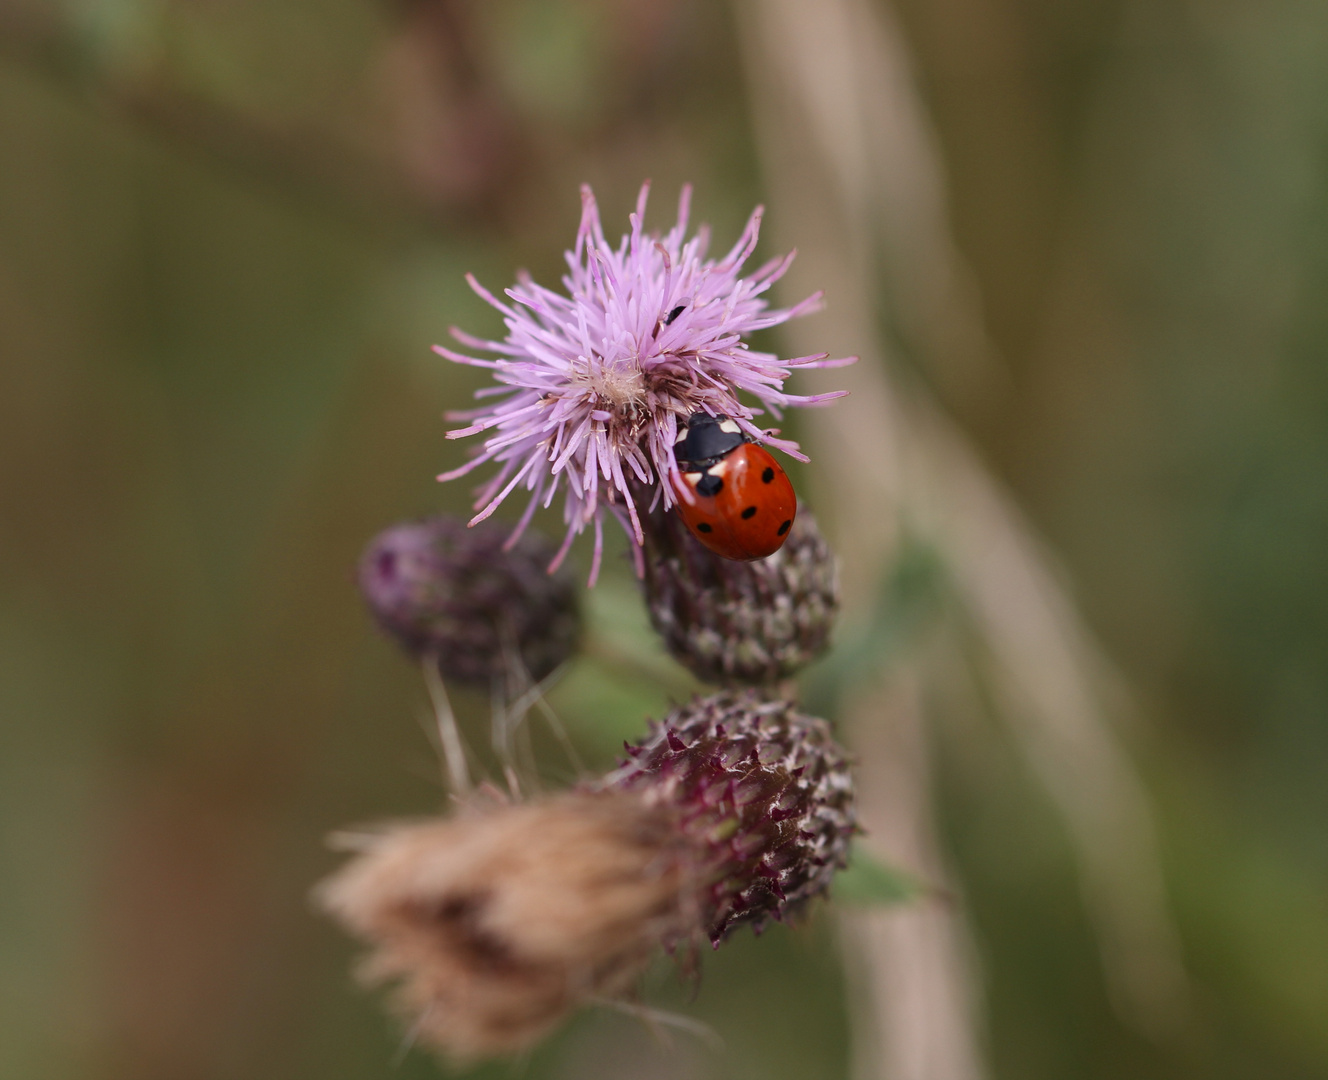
(740, 623)
(471, 600)
(497, 923)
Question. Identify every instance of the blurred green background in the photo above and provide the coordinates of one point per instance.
(229, 232)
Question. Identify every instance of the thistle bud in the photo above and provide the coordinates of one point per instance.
(733, 622)
(497, 923)
(442, 589)
(764, 794)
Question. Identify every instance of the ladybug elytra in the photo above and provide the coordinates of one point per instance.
(738, 502)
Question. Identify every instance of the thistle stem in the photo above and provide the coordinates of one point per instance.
(449, 738)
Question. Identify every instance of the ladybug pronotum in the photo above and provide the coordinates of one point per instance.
(737, 501)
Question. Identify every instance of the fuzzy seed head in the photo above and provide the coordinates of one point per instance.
(496, 924)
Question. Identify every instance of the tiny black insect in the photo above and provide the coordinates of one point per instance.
(675, 313)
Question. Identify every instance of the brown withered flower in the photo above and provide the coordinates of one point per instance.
(498, 922)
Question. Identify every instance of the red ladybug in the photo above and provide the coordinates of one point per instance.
(742, 503)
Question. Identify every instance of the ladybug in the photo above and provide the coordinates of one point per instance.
(742, 503)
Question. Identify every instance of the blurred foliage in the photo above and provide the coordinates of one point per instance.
(867, 882)
(229, 231)
(911, 596)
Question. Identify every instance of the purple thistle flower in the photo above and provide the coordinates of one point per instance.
(599, 382)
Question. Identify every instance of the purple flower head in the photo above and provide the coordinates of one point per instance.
(596, 384)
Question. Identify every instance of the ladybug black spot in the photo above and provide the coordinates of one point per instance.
(749, 513)
(704, 527)
(768, 475)
(785, 527)
(709, 484)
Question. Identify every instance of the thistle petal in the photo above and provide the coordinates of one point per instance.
(649, 331)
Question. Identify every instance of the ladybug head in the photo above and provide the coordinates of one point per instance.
(707, 439)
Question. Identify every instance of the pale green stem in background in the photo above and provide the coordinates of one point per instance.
(449, 738)
(857, 186)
